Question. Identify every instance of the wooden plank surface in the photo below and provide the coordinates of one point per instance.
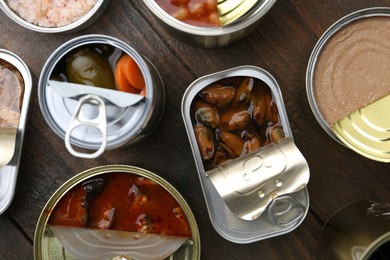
(281, 44)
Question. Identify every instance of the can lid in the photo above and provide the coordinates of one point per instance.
(367, 130)
(248, 184)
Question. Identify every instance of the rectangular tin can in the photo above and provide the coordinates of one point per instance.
(9, 173)
(229, 208)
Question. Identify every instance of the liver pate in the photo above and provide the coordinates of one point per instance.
(353, 69)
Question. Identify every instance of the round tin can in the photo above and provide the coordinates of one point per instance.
(366, 129)
(232, 187)
(9, 172)
(88, 19)
(212, 37)
(47, 245)
(125, 125)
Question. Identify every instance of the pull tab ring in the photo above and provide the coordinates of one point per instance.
(285, 211)
(79, 119)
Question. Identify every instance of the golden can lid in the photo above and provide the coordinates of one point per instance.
(66, 228)
(367, 130)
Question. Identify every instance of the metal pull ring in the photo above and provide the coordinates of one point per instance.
(79, 119)
(285, 211)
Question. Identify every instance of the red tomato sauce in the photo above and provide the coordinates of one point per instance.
(202, 13)
(121, 201)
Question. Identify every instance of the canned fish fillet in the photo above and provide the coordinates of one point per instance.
(152, 220)
(347, 90)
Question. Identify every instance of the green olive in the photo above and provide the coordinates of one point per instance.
(87, 66)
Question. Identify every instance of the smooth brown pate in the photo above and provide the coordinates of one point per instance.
(353, 69)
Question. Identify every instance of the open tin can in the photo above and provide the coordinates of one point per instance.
(28, 15)
(53, 241)
(13, 148)
(94, 118)
(346, 87)
(212, 37)
(258, 190)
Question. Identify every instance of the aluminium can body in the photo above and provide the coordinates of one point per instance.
(211, 37)
(229, 225)
(9, 173)
(48, 247)
(360, 230)
(83, 22)
(125, 125)
(364, 136)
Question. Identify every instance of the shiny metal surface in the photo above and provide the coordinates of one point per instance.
(232, 10)
(7, 144)
(72, 90)
(248, 184)
(81, 23)
(212, 37)
(367, 131)
(228, 224)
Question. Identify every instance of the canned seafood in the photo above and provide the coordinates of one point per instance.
(78, 117)
(346, 87)
(51, 19)
(246, 160)
(12, 109)
(59, 236)
(211, 37)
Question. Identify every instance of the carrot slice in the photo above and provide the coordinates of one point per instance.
(121, 80)
(133, 72)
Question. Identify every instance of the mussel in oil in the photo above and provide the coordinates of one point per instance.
(232, 141)
(232, 117)
(260, 102)
(206, 114)
(235, 118)
(274, 133)
(244, 91)
(218, 94)
(252, 142)
(204, 137)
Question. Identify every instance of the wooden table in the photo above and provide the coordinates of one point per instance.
(281, 44)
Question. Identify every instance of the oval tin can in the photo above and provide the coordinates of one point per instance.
(47, 245)
(212, 37)
(256, 216)
(125, 125)
(9, 173)
(83, 22)
(366, 130)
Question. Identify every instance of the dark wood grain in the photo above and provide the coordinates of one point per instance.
(281, 44)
